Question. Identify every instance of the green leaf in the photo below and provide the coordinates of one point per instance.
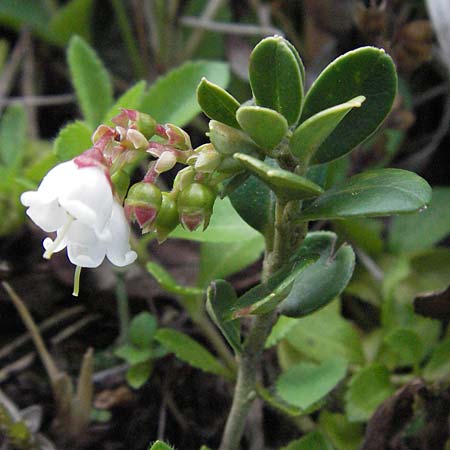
(39, 168)
(72, 18)
(366, 71)
(217, 103)
(189, 351)
(172, 98)
(312, 441)
(305, 384)
(90, 80)
(13, 128)
(138, 374)
(285, 184)
(373, 193)
(255, 203)
(310, 135)
(225, 226)
(130, 99)
(276, 78)
(34, 13)
(343, 434)
(321, 336)
(134, 355)
(159, 445)
(142, 330)
(220, 298)
(265, 126)
(168, 283)
(406, 347)
(438, 367)
(219, 260)
(72, 140)
(366, 391)
(265, 297)
(407, 232)
(324, 280)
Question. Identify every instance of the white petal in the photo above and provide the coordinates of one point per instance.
(86, 255)
(48, 216)
(118, 249)
(88, 197)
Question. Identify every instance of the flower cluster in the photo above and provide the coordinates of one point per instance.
(87, 202)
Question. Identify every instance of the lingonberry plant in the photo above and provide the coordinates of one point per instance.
(273, 158)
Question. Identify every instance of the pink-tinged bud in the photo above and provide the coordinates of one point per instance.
(165, 162)
(124, 118)
(101, 132)
(207, 159)
(138, 140)
(143, 203)
(175, 136)
(184, 178)
(195, 205)
(168, 218)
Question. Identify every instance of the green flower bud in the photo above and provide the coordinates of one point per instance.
(206, 158)
(195, 205)
(168, 218)
(184, 178)
(228, 141)
(146, 124)
(143, 203)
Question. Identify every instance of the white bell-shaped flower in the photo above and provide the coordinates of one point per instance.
(78, 204)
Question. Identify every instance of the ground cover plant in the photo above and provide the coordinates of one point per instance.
(336, 337)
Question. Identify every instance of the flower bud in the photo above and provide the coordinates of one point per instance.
(228, 141)
(206, 159)
(143, 203)
(195, 205)
(175, 136)
(167, 219)
(184, 178)
(165, 162)
(146, 124)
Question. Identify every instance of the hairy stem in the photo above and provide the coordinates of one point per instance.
(245, 390)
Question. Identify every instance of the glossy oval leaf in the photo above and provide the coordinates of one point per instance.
(13, 133)
(265, 126)
(189, 351)
(72, 140)
(366, 71)
(374, 193)
(220, 298)
(308, 137)
(90, 80)
(276, 78)
(320, 283)
(172, 98)
(265, 297)
(306, 383)
(283, 183)
(255, 204)
(217, 103)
